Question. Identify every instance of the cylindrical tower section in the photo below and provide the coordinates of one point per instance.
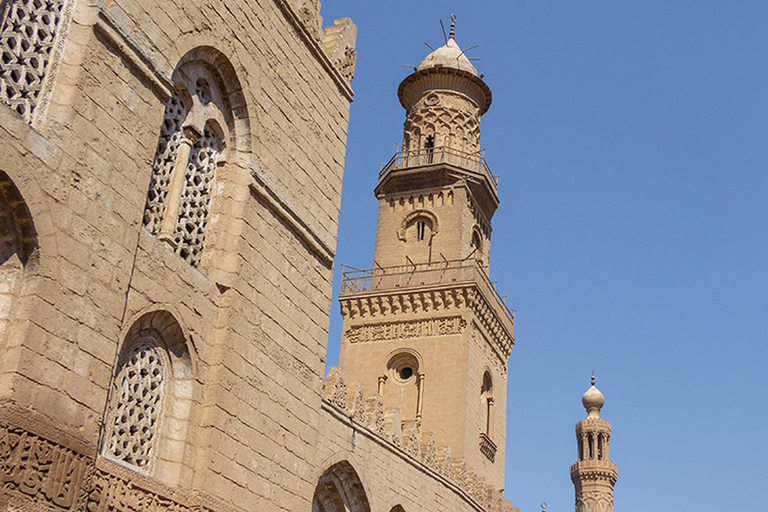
(444, 100)
(594, 475)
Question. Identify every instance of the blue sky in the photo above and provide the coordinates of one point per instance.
(632, 236)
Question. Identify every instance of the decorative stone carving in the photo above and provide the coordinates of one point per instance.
(335, 389)
(308, 12)
(405, 330)
(374, 414)
(445, 463)
(394, 427)
(27, 37)
(196, 196)
(411, 441)
(450, 119)
(136, 410)
(165, 159)
(358, 404)
(38, 469)
(460, 473)
(487, 447)
(496, 359)
(110, 492)
(346, 63)
(429, 450)
(414, 215)
(339, 44)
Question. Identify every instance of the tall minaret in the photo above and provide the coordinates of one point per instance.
(594, 475)
(425, 327)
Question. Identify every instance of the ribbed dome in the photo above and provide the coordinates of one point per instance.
(448, 56)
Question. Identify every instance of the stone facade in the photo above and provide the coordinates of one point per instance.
(170, 178)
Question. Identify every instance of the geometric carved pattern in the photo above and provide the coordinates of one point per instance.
(193, 211)
(27, 35)
(139, 390)
(165, 158)
(453, 122)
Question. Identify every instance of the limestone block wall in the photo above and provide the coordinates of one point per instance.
(236, 343)
(393, 463)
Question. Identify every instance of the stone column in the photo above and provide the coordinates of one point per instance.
(176, 185)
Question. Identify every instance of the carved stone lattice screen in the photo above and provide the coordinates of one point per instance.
(136, 410)
(165, 158)
(27, 35)
(193, 211)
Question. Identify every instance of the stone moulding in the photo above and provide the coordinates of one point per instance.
(406, 439)
(437, 298)
(108, 29)
(280, 207)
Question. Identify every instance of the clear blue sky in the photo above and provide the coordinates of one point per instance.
(632, 237)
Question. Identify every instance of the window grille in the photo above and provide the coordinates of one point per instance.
(138, 398)
(27, 36)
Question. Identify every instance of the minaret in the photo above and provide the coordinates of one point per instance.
(594, 475)
(425, 327)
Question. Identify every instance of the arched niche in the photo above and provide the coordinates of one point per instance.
(18, 247)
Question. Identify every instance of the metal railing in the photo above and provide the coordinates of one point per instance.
(419, 274)
(474, 162)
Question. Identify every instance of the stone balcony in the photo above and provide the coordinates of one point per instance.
(420, 275)
(472, 162)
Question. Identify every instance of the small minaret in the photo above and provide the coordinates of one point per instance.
(594, 475)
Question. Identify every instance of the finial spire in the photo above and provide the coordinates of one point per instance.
(593, 377)
(452, 33)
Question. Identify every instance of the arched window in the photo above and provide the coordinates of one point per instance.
(139, 390)
(402, 385)
(486, 393)
(154, 381)
(339, 490)
(190, 147)
(477, 246)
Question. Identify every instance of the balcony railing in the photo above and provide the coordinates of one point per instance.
(420, 274)
(474, 162)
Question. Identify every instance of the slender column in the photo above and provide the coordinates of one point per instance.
(382, 380)
(489, 425)
(420, 397)
(176, 185)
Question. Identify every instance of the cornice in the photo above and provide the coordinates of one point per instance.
(449, 298)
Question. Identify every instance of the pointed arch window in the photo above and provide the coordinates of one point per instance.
(152, 400)
(487, 446)
(190, 147)
(139, 389)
